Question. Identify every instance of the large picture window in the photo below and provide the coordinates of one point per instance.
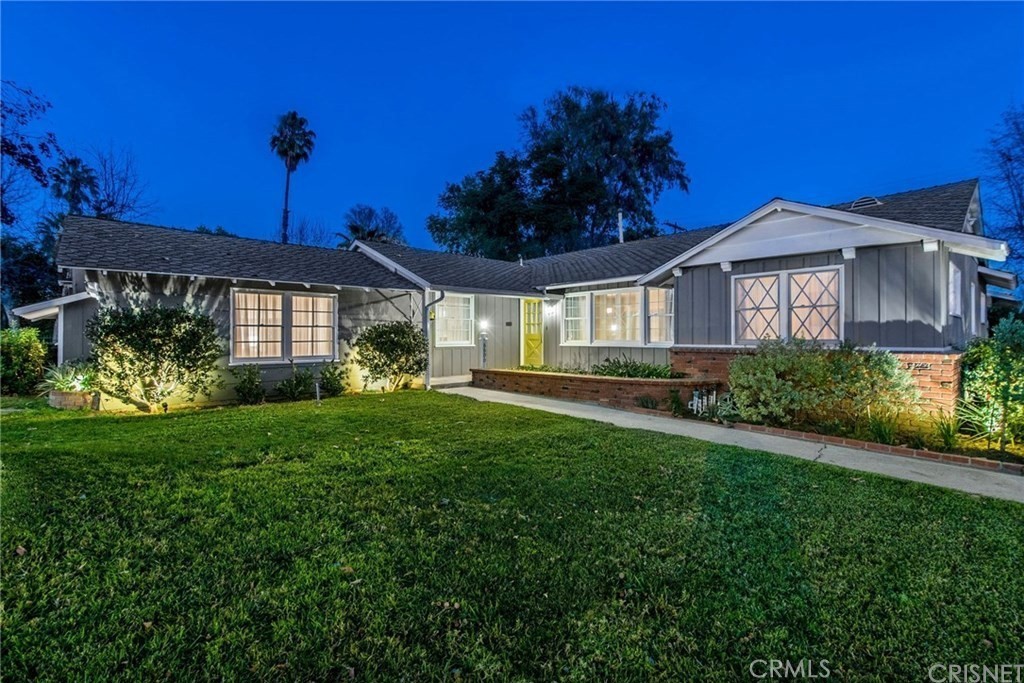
(257, 331)
(277, 326)
(453, 321)
(312, 326)
(793, 304)
(617, 316)
(659, 315)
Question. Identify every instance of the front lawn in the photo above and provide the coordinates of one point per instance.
(435, 537)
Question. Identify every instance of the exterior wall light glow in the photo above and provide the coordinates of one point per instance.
(484, 325)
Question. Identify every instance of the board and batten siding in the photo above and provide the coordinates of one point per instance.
(503, 339)
(893, 296)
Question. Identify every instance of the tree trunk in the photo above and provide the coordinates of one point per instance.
(284, 213)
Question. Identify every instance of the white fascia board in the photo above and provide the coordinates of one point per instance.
(49, 308)
(626, 279)
(380, 258)
(999, 278)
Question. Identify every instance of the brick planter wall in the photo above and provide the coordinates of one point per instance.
(618, 392)
(936, 375)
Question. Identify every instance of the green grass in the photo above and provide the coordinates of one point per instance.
(431, 537)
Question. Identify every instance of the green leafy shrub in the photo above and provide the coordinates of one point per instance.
(72, 377)
(393, 353)
(249, 384)
(947, 428)
(802, 383)
(145, 356)
(722, 410)
(647, 402)
(544, 367)
(993, 382)
(22, 356)
(676, 403)
(298, 386)
(333, 379)
(627, 367)
(883, 427)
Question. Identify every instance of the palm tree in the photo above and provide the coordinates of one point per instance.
(367, 224)
(73, 182)
(293, 142)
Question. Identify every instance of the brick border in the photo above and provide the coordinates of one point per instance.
(920, 454)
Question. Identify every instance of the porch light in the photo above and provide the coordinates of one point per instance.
(484, 325)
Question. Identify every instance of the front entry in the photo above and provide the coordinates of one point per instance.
(533, 332)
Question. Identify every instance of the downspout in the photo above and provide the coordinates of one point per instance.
(426, 333)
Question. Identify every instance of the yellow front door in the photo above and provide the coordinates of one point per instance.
(533, 332)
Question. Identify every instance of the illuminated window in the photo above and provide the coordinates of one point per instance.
(617, 316)
(956, 284)
(814, 305)
(659, 315)
(757, 308)
(258, 325)
(312, 326)
(797, 305)
(453, 321)
(574, 319)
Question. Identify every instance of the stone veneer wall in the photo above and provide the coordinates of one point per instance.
(936, 375)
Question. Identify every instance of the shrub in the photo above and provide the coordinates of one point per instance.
(249, 384)
(947, 428)
(72, 377)
(333, 379)
(993, 380)
(647, 402)
(145, 356)
(392, 353)
(883, 428)
(22, 356)
(627, 367)
(298, 386)
(803, 383)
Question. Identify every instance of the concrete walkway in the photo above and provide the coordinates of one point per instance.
(979, 482)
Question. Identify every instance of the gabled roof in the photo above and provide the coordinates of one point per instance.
(943, 207)
(136, 247)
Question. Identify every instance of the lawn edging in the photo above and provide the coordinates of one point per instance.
(902, 451)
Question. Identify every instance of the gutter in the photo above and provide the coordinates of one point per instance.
(427, 305)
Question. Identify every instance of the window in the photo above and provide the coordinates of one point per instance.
(617, 316)
(795, 304)
(982, 308)
(574, 319)
(757, 308)
(814, 305)
(955, 290)
(454, 321)
(659, 315)
(312, 326)
(257, 325)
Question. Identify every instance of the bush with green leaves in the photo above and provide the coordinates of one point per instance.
(249, 384)
(297, 387)
(993, 383)
(76, 377)
(392, 353)
(628, 367)
(146, 356)
(333, 379)
(803, 383)
(22, 356)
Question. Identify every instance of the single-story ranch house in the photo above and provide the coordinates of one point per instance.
(908, 272)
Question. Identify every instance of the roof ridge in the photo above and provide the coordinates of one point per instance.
(880, 197)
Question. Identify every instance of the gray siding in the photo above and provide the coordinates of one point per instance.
(503, 339)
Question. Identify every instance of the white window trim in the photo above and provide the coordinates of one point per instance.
(472, 321)
(982, 309)
(587, 310)
(671, 317)
(590, 338)
(955, 293)
(784, 301)
(286, 329)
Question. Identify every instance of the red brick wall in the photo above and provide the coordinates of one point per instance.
(936, 375)
(620, 392)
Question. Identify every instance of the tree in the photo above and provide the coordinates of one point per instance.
(586, 157)
(393, 353)
(367, 224)
(74, 183)
(312, 232)
(120, 193)
(23, 155)
(1005, 157)
(219, 230)
(293, 142)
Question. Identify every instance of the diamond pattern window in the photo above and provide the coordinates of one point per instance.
(814, 305)
(757, 308)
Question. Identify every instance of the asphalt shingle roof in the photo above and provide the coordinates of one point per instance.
(116, 245)
(459, 271)
(942, 206)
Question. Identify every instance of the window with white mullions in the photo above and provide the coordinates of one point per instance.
(454, 321)
(659, 315)
(574, 319)
(312, 326)
(757, 308)
(257, 325)
(617, 316)
(814, 305)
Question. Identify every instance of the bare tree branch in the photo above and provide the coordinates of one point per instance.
(120, 193)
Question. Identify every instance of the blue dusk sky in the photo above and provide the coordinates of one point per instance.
(813, 102)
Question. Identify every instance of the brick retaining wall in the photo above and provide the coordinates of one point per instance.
(618, 392)
(936, 375)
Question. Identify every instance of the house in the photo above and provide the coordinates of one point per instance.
(909, 272)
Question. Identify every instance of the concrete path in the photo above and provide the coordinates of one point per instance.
(979, 482)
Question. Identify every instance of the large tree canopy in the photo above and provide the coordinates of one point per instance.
(1005, 156)
(367, 224)
(587, 156)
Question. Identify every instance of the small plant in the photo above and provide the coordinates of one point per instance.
(628, 367)
(298, 386)
(883, 428)
(249, 384)
(676, 403)
(22, 356)
(947, 427)
(981, 420)
(647, 402)
(393, 353)
(69, 377)
(333, 379)
(722, 410)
